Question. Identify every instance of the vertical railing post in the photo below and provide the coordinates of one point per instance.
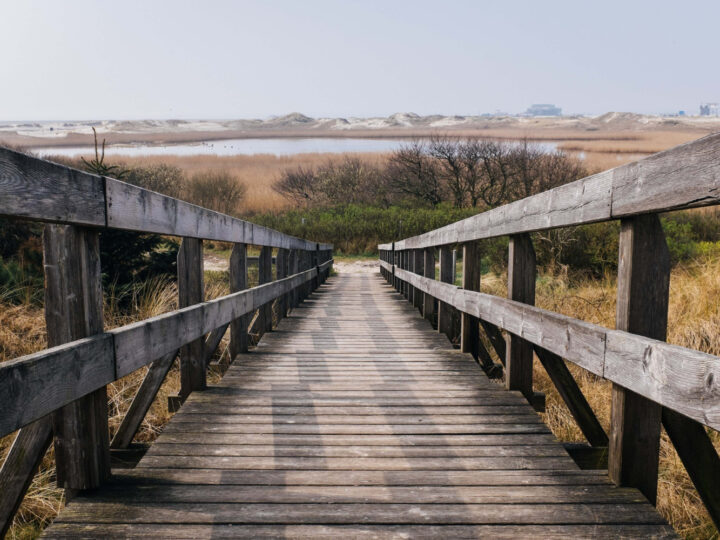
(265, 276)
(521, 287)
(191, 290)
(294, 269)
(429, 270)
(281, 265)
(469, 325)
(315, 262)
(445, 311)
(642, 303)
(239, 339)
(392, 261)
(74, 310)
(418, 256)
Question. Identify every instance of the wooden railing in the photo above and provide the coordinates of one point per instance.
(654, 383)
(59, 393)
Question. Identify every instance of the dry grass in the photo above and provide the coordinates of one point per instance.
(694, 322)
(257, 172)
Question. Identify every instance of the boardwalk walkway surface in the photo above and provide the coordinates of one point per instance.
(355, 418)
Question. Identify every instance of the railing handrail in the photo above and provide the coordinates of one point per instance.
(39, 190)
(673, 376)
(685, 176)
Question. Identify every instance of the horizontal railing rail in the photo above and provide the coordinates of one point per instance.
(686, 176)
(678, 378)
(59, 394)
(654, 383)
(40, 190)
(37, 384)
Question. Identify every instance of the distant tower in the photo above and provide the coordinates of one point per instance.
(710, 109)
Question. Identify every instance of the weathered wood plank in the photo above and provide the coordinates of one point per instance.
(36, 189)
(74, 310)
(642, 306)
(133, 208)
(191, 291)
(239, 339)
(193, 531)
(20, 466)
(142, 401)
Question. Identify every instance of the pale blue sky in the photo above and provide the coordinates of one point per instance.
(82, 59)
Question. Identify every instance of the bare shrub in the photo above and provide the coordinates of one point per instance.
(217, 190)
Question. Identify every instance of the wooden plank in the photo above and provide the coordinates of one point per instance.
(573, 397)
(193, 531)
(521, 288)
(239, 339)
(212, 342)
(361, 513)
(685, 176)
(445, 311)
(699, 458)
(19, 468)
(643, 291)
(370, 494)
(36, 189)
(140, 343)
(565, 477)
(142, 401)
(133, 208)
(429, 272)
(469, 330)
(265, 276)
(37, 384)
(191, 290)
(74, 310)
(282, 270)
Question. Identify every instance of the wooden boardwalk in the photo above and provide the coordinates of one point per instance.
(355, 418)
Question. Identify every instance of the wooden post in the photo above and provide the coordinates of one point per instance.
(411, 268)
(265, 276)
(445, 311)
(406, 287)
(469, 325)
(239, 339)
(73, 310)
(281, 272)
(521, 287)
(429, 269)
(294, 269)
(418, 256)
(191, 290)
(642, 303)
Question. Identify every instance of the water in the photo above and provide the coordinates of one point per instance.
(234, 147)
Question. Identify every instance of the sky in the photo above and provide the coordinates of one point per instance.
(82, 59)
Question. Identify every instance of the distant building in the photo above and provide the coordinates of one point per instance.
(710, 109)
(543, 109)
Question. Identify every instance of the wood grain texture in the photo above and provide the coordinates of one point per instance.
(642, 306)
(469, 329)
(521, 288)
(238, 270)
(19, 468)
(429, 272)
(191, 291)
(445, 311)
(74, 310)
(133, 208)
(36, 189)
(142, 401)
